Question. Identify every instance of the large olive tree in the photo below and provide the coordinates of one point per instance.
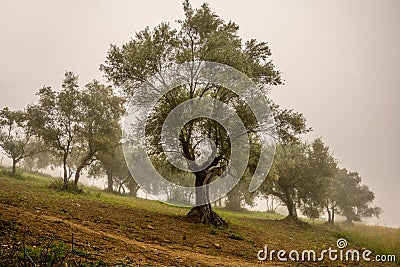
(202, 36)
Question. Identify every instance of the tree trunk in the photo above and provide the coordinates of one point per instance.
(133, 191)
(65, 170)
(328, 210)
(203, 212)
(84, 163)
(189, 197)
(14, 166)
(78, 174)
(110, 181)
(233, 203)
(291, 207)
(121, 186)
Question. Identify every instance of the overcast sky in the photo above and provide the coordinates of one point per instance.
(340, 61)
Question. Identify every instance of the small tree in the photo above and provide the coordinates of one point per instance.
(16, 140)
(321, 167)
(286, 176)
(38, 161)
(76, 124)
(350, 198)
(111, 163)
(299, 177)
(55, 119)
(98, 128)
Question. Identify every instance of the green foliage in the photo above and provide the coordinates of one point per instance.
(55, 118)
(380, 240)
(16, 141)
(320, 169)
(202, 36)
(111, 162)
(7, 172)
(99, 127)
(350, 198)
(214, 231)
(75, 123)
(235, 236)
(49, 254)
(37, 162)
(300, 177)
(69, 187)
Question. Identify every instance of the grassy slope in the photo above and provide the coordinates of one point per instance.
(110, 229)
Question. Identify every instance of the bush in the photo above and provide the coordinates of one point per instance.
(236, 236)
(8, 172)
(214, 231)
(69, 187)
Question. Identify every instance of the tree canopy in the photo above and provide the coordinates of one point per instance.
(16, 140)
(202, 36)
(76, 123)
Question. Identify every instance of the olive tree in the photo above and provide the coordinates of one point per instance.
(202, 36)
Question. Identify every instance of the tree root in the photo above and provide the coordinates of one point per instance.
(204, 214)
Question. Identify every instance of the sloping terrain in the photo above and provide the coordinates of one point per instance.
(39, 224)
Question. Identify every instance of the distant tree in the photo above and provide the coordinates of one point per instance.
(170, 173)
(112, 164)
(289, 126)
(350, 198)
(38, 161)
(299, 177)
(336, 187)
(239, 196)
(55, 119)
(76, 124)
(273, 203)
(320, 169)
(98, 127)
(286, 176)
(16, 140)
(202, 36)
(106, 164)
(131, 185)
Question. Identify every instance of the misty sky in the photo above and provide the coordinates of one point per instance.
(340, 61)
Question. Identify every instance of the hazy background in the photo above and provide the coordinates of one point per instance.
(340, 61)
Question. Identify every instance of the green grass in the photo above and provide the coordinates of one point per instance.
(379, 239)
(236, 236)
(249, 214)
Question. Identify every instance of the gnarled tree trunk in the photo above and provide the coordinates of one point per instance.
(203, 212)
(291, 207)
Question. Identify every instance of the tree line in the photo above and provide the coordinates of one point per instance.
(79, 128)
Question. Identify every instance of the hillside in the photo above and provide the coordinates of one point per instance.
(39, 224)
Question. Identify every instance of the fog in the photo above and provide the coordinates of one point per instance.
(340, 61)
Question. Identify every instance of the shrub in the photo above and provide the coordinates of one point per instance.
(69, 187)
(236, 236)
